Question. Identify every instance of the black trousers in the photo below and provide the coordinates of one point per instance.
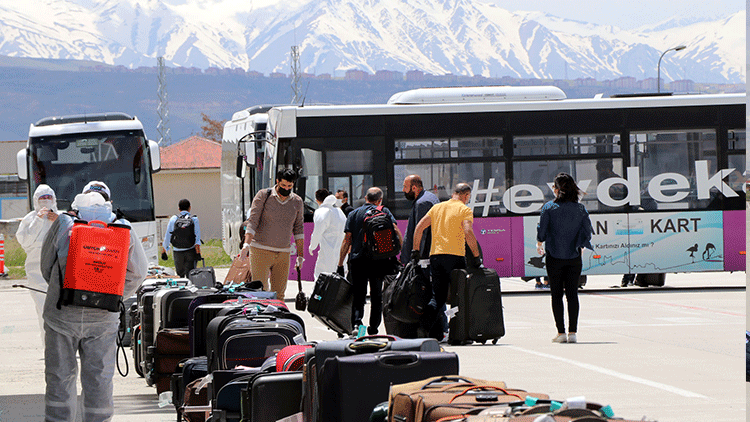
(184, 261)
(441, 267)
(563, 281)
(367, 272)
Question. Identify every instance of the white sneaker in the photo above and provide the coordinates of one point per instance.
(561, 338)
(572, 338)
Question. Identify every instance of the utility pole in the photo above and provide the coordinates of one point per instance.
(295, 75)
(163, 111)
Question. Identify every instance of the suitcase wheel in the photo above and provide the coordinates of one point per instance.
(494, 340)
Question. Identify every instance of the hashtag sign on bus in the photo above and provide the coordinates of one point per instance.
(488, 202)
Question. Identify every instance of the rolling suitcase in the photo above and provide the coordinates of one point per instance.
(270, 397)
(226, 404)
(249, 340)
(202, 276)
(331, 302)
(170, 347)
(316, 356)
(198, 319)
(476, 293)
(450, 397)
(342, 397)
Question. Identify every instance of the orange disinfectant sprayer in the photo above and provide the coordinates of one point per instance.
(96, 266)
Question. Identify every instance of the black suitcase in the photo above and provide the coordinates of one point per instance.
(202, 276)
(342, 398)
(331, 302)
(249, 340)
(226, 403)
(270, 397)
(175, 304)
(315, 358)
(136, 348)
(477, 294)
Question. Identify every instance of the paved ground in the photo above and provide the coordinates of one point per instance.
(671, 354)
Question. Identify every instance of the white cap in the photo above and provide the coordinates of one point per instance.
(83, 200)
(96, 186)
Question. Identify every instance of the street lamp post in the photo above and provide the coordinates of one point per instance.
(658, 66)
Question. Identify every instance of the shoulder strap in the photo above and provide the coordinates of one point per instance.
(263, 208)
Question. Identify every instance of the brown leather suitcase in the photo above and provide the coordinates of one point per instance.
(449, 396)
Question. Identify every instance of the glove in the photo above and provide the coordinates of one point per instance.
(415, 255)
(340, 270)
(300, 260)
(164, 256)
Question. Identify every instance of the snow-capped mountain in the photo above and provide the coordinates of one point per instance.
(461, 37)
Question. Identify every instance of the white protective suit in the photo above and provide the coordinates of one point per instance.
(30, 235)
(328, 232)
(89, 332)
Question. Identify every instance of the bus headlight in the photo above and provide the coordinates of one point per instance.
(148, 242)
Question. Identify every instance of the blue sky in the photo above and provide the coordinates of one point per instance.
(626, 14)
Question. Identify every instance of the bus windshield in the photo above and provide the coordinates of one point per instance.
(67, 162)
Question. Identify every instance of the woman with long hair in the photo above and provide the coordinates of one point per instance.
(564, 229)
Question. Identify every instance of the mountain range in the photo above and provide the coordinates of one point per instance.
(461, 37)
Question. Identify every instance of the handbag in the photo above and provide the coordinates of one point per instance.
(239, 272)
(300, 302)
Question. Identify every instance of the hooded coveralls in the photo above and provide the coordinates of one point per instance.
(328, 232)
(90, 332)
(30, 235)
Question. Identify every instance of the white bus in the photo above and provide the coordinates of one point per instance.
(662, 173)
(69, 151)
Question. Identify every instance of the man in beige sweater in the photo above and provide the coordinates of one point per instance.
(275, 216)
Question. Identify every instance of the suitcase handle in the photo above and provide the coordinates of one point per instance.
(376, 337)
(367, 346)
(398, 359)
(483, 387)
(460, 380)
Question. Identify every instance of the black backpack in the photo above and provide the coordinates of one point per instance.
(380, 239)
(183, 235)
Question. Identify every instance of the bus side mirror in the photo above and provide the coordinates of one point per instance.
(241, 167)
(153, 148)
(21, 163)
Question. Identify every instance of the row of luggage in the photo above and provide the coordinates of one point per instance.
(165, 330)
(373, 378)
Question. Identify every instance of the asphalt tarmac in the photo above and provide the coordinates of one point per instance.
(671, 354)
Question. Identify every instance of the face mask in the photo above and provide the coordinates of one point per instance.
(46, 203)
(284, 192)
(410, 195)
(100, 212)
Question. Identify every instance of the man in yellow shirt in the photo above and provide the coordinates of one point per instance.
(451, 223)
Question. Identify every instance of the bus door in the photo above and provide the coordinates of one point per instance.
(348, 165)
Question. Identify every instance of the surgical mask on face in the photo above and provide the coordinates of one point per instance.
(100, 212)
(284, 192)
(46, 203)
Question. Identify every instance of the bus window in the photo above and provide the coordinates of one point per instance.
(585, 172)
(677, 152)
(566, 144)
(441, 178)
(418, 149)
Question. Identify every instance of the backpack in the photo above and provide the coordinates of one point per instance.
(183, 234)
(380, 239)
(407, 294)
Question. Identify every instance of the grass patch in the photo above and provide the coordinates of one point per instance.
(15, 257)
(211, 251)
